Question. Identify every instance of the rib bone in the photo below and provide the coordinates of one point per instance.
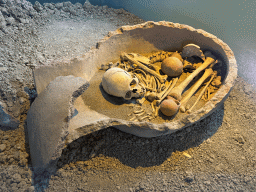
(161, 78)
(177, 91)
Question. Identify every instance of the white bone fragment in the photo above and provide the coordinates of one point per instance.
(149, 118)
(153, 107)
(140, 101)
(140, 111)
(132, 119)
(140, 114)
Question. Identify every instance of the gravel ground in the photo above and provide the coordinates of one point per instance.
(215, 154)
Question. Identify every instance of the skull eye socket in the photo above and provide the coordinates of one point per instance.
(128, 95)
(133, 82)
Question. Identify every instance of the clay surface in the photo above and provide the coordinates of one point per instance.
(48, 119)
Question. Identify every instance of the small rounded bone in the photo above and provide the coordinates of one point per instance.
(169, 107)
(151, 96)
(139, 111)
(140, 101)
(172, 66)
(192, 50)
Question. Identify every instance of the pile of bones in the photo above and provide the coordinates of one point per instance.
(154, 79)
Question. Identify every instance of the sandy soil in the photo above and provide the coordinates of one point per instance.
(215, 154)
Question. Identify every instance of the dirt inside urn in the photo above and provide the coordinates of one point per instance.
(115, 107)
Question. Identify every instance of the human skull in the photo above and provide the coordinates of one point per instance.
(120, 83)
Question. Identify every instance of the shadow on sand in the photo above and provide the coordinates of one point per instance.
(131, 150)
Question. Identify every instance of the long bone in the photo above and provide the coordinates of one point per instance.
(177, 91)
(158, 85)
(149, 118)
(156, 111)
(208, 72)
(153, 83)
(169, 89)
(162, 78)
(201, 93)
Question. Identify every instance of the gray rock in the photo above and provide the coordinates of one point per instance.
(65, 9)
(10, 20)
(10, 160)
(1, 17)
(3, 69)
(239, 139)
(78, 5)
(16, 178)
(22, 184)
(2, 13)
(17, 12)
(49, 6)
(27, 5)
(24, 21)
(6, 119)
(5, 137)
(23, 162)
(3, 158)
(67, 4)
(31, 189)
(189, 177)
(2, 24)
(38, 7)
(2, 147)
(3, 2)
(59, 5)
(73, 12)
(16, 155)
(9, 3)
